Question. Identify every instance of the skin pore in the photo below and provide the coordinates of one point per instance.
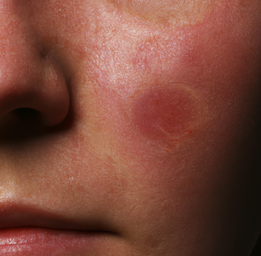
(140, 118)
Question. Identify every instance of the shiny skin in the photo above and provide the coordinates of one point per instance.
(198, 195)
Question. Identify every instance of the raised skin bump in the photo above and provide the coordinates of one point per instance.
(165, 114)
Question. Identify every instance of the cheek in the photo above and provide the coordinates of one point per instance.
(201, 100)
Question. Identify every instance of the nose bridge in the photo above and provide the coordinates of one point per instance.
(16, 63)
(27, 80)
(18, 67)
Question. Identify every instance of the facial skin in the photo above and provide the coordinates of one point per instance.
(144, 121)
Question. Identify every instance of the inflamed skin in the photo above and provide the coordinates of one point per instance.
(166, 114)
(130, 128)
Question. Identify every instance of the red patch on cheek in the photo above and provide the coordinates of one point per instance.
(165, 114)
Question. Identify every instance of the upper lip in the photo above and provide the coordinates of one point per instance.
(17, 216)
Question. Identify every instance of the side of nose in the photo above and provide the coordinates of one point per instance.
(29, 79)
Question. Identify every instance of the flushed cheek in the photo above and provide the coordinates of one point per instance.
(174, 84)
(195, 99)
(217, 62)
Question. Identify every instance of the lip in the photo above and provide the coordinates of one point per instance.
(41, 242)
(14, 215)
(30, 231)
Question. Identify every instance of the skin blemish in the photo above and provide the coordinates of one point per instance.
(166, 114)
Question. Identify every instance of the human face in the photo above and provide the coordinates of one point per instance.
(130, 127)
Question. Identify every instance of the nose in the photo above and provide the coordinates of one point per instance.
(28, 78)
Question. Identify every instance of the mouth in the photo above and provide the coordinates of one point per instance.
(29, 231)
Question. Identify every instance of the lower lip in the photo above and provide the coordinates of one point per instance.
(43, 242)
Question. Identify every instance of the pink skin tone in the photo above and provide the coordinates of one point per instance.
(144, 125)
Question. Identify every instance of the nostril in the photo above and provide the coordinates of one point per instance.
(26, 118)
(21, 125)
(26, 113)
